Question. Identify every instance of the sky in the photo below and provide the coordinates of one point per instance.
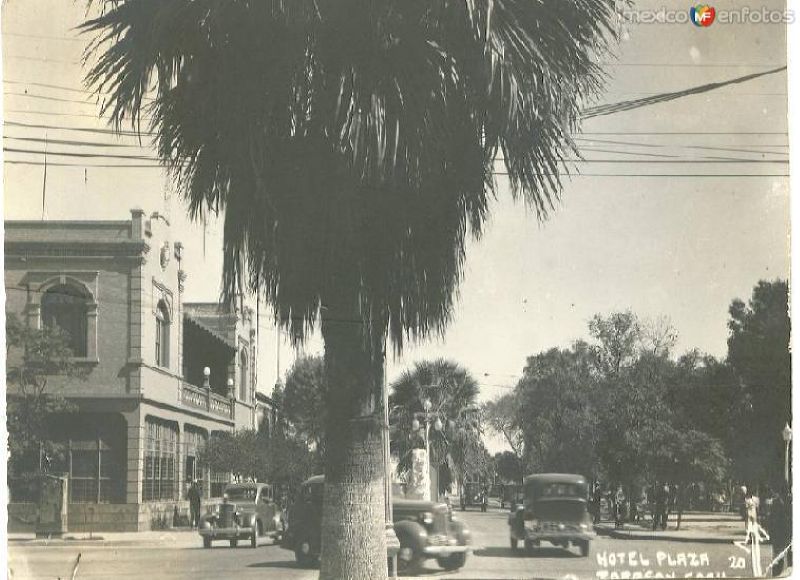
(680, 207)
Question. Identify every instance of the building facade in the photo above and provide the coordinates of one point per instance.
(159, 376)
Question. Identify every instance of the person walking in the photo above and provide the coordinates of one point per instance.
(194, 503)
(660, 515)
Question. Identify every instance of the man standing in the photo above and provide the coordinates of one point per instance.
(194, 503)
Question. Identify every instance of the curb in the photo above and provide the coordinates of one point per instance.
(666, 536)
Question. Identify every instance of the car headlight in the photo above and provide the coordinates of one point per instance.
(427, 518)
(205, 524)
(584, 526)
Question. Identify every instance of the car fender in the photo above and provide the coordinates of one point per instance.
(413, 534)
(460, 530)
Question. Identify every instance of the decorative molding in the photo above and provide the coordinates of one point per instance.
(66, 249)
(161, 292)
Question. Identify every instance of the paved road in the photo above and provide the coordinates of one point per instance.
(181, 556)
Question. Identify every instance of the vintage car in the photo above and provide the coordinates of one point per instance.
(473, 494)
(554, 510)
(425, 529)
(248, 512)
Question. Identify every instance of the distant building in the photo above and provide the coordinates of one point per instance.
(162, 375)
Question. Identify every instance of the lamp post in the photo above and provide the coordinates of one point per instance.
(787, 439)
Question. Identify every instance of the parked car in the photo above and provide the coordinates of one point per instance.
(473, 494)
(426, 530)
(248, 512)
(554, 510)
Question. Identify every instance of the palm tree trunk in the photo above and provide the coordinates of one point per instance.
(353, 518)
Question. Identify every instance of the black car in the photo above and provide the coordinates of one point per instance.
(426, 530)
(554, 511)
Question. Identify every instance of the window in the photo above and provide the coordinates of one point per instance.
(65, 307)
(194, 442)
(244, 370)
(162, 335)
(92, 472)
(160, 461)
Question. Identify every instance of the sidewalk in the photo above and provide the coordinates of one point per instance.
(707, 527)
(175, 536)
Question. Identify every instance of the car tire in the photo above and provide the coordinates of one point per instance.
(453, 561)
(206, 542)
(234, 543)
(408, 559)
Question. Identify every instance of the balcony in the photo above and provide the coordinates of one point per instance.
(206, 400)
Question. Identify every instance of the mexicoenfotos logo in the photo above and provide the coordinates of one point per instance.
(702, 15)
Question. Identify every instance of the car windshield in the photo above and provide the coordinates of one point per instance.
(241, 493)
(556, 490)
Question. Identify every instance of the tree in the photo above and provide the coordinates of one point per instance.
(253, 455)
(508, 467)
(456, 447)
(502, 415)
(303, 399)
(34, 357)
(758, 353)
(351, 147)
(555, 411)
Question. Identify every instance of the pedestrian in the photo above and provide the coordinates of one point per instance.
(619, 508)
(598, 500)
(194, 503)
(660, 515)
(751, 504)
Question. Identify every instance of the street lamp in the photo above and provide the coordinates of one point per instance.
(787, 439)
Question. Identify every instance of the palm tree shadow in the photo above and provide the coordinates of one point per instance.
(549, 552)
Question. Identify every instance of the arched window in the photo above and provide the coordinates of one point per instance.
(244, 376)
(64, 307)
(162, 335)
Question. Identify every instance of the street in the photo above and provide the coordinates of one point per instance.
(180, 555)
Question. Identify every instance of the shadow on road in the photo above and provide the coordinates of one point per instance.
(498, 552)
(280, 564)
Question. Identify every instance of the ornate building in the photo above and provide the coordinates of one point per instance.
(159, 376)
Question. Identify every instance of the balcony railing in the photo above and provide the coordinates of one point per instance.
(206, 400)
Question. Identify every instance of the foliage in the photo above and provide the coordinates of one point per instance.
(252, 455)
(303, 399)
(621, 409)
(555, 411)
(758, 354)
(508, 467)
(452, 393)
(33, 357)
(502, 416)
(403, 108)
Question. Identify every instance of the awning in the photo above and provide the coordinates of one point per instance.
(208, 329)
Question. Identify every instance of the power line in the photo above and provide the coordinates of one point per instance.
(44, 37)
(47, 98)
(71, 142)
(76, 154)
(498, 173)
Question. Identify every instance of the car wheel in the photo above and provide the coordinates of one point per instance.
(514, 543)
(453, 561)
(206, 542)
(408, 560)
(234, 543)
(584, 548)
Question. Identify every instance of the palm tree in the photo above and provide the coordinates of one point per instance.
(456, 444)
(351, 146)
